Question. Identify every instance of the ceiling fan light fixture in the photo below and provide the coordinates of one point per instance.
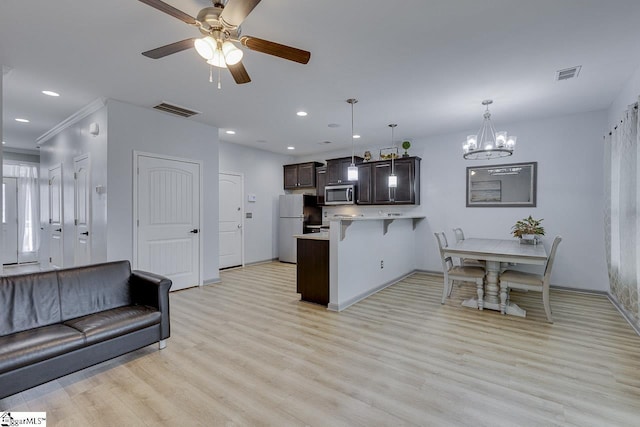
(232, 54)
(206, 47)
(218, 59)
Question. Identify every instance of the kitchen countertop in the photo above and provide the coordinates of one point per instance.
(313, 236)
(373, 218)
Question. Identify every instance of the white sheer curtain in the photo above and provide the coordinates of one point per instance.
(622, 222)
(28, 209)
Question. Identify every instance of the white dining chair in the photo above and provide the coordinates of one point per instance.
(466, 262)
(454, 272)
(512, 279)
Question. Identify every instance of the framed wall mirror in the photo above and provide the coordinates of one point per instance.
(510, 185)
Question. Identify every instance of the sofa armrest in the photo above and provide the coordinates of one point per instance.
(152, 290)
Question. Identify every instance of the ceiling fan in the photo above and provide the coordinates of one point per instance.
(220, 26)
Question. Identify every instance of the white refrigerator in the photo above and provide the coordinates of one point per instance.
(295, 211)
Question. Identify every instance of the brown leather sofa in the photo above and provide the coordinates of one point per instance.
(57, 322)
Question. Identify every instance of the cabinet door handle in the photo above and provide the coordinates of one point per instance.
(194, 231)
(86, 233)
(58, 230)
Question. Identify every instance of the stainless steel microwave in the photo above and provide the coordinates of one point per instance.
(339, 194)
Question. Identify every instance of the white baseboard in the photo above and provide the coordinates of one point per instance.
(360, 297)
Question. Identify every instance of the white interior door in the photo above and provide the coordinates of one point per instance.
(230, 222)
(82, 208)
(56, 237)
(168, 223)
(10, 220)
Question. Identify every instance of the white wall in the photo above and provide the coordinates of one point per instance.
(570, 198)
(263, 177)
(141, 129)
(628, 95)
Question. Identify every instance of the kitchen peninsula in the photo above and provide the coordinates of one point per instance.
(365, 255)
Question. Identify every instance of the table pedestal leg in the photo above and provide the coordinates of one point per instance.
(492, 296)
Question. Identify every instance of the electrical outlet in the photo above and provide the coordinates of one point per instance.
(381, 264)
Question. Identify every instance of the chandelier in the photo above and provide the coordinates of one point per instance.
(488, 144)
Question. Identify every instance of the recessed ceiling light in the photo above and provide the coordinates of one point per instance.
(230, 132)
(302, 113)
(4, 142)
(50, 93)
(22, 120)
(356, 136)
(291, 148)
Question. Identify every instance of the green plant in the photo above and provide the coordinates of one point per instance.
(406, 145)
(527, 226)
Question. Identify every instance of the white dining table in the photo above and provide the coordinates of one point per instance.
(495, 252)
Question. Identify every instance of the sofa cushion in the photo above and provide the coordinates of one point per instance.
(94, 288)
(28, 301)
(31, 346)
(115, 322)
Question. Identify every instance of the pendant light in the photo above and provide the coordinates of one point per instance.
(393, 179)
(352, 170)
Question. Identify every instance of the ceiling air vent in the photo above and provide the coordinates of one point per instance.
(175, 109)
(568, 73)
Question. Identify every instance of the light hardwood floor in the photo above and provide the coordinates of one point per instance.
(247, 352)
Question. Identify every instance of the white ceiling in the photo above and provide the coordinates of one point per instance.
(424, 64)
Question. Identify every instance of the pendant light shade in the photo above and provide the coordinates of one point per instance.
(352, 170)
(393, 179)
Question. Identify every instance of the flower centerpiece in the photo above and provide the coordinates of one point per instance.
(528, 229)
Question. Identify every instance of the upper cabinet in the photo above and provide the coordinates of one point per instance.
(337, 169)
(321, 182)
(300, 175)
(373, 182)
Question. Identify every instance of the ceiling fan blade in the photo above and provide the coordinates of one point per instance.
(170, 10)
(239, 73)
(276, 49)
(161, 52)
(235, 11)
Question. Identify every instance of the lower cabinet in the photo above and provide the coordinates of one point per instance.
(313, 270)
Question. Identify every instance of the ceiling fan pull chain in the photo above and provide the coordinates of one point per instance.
(219, 85)
(210, 73)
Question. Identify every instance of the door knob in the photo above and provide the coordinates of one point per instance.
(86, 233)
(194, 231)
(239, 226)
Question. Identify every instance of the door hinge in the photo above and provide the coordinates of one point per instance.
(138, 171)
(138, 222)
(75, 222)
(50, 259)
(50, 222)
(49, 182)
(75, 175)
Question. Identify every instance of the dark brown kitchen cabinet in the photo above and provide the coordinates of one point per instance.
(300, 175)
(364, 196)
(408, 190)
(312, 270)
(321, 182)
(337, 169)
